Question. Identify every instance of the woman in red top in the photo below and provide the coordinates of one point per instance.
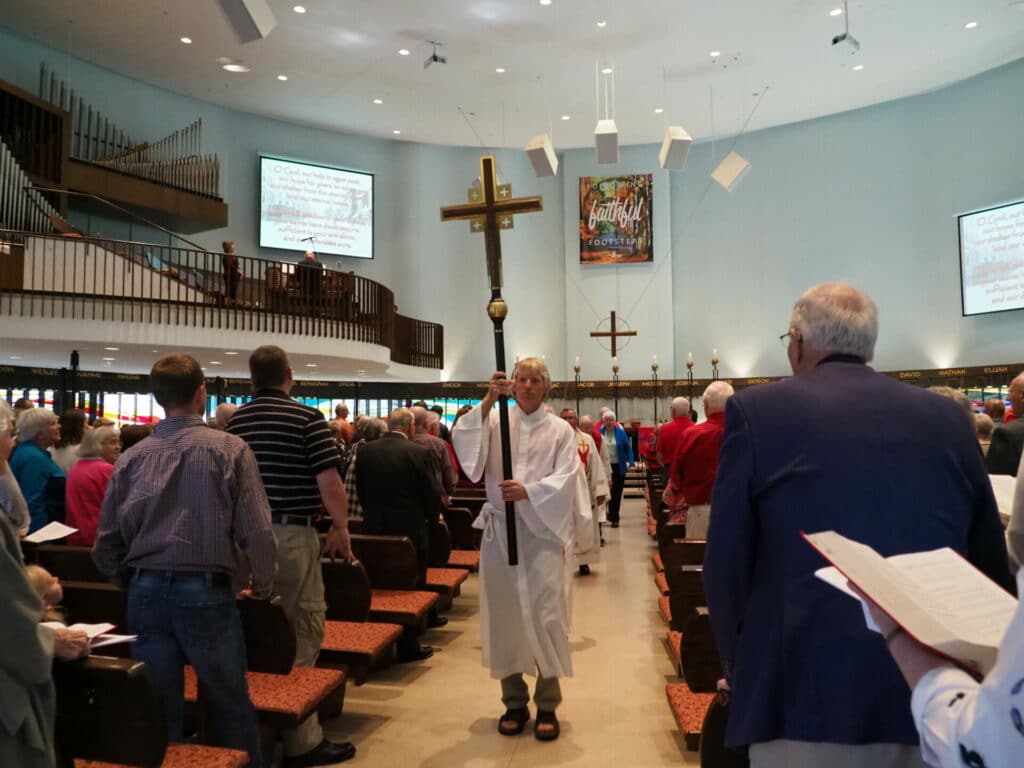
(87, 482)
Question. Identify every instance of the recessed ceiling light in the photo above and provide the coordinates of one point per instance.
(836, 12)
(282, 78)
(299, 9)
(606, 71)
(112, 349)
(397, 132)
(230, 353)
(236, 68)
(360, 370)
(109, 359)
(567, 117)
(858, 67)
(658, 110)
(187, 40)
(500, 70)
(602, 24)
(378, 101)
(545, 2)
(715, 54)
(311, 365)
(15, 357)
(215, 362)
(403, 51)
(970, 25)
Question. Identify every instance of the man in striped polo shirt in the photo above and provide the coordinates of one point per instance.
(298, 461)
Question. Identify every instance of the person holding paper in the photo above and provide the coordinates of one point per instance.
(963, 722)
(38, 476)
(814, 452)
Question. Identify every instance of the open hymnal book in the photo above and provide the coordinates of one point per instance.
(937, 597)
(99, 634)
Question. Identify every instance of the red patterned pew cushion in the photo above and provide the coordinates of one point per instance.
(661, 583)
(186, 756)
(665, 608)
(450, 578)
(369, 637)
(656, 561)
(689, 709)
(400, 605)
(464, 558)
(675, 642)
(296, 694)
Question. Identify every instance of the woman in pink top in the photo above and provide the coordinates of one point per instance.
(87, 482)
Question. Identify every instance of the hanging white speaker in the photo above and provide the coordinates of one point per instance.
(606, 142)
(675, 148)
(541, 155)
(250, 19)
(729, 172)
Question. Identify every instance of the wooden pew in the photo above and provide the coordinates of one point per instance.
(465, 553)
(350, 640)
(388, 563)
(67, 562)
(108, 714)
(392, 571)
(713, 752)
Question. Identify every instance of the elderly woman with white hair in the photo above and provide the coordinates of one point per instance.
(87, 482)
(12, 503)
(39, 477)
(620, 452)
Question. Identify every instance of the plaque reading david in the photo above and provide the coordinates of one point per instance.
(616, 219)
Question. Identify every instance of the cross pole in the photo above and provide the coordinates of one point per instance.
(613, 334)
(489, 210)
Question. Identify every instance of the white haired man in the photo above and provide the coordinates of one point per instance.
(693, 471)
(816, 452)
(524, 612)
(597, 482)
(670, 434)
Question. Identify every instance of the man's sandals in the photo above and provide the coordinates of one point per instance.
(545, 728)
(513, 722)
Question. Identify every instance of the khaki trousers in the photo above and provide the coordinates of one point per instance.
(515, 694)
(300, 583)
(783, 753)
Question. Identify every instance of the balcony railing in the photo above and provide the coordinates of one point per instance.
(93, 278)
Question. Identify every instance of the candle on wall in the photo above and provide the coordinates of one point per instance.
(577, 361)
(615, 361)
(689, 357)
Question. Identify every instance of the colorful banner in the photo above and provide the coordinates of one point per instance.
(616, 219)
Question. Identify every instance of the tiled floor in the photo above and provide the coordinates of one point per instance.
(442, 713)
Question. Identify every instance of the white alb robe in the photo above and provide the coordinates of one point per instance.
(524, 612)
(597, 482)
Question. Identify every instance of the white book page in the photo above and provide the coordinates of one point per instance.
(968, 602)
(51, 532)
(92, 630)
(103, 640)
(1003, 487)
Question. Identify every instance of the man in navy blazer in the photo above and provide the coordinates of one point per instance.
(837, 446)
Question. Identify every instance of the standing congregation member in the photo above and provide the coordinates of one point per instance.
(341, 419)
(428, 430)
(1007, 445)
(12, 503)
(38, 476)
(692, 475)
(232, 272)
(87, 482)
(816, 452)
(298, 461)
(181, 507)
(671, 432)
(523, 611)
(620, 454)
(222, 415)
(72, 431)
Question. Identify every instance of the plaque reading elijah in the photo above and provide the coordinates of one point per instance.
(616, 219)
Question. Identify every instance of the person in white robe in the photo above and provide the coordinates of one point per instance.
(597, 483)
(524, 612)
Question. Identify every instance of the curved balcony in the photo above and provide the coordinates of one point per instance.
(72, 277)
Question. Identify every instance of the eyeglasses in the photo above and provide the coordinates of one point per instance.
(792, 333)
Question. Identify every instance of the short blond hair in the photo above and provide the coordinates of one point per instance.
(535, 364)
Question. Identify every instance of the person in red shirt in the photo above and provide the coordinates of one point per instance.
(696, 461)
(671, 432)
(87, 482)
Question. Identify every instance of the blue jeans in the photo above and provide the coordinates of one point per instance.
(192, 619)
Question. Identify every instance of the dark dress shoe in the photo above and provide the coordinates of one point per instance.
(421, 653)
(328, 753)
(584, 570)
(438, 621)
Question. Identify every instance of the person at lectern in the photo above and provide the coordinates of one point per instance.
(310, 274)
(232, 272)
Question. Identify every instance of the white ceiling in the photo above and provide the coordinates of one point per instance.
(342, 54)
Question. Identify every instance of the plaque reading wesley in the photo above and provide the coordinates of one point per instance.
(616, 219)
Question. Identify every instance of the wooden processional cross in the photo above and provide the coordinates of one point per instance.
(613, 335)
(490, 210)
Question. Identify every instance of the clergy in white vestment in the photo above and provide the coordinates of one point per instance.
(597, 484)
(524, 614)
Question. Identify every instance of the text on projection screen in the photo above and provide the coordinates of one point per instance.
(992, 259)
(331, 205)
